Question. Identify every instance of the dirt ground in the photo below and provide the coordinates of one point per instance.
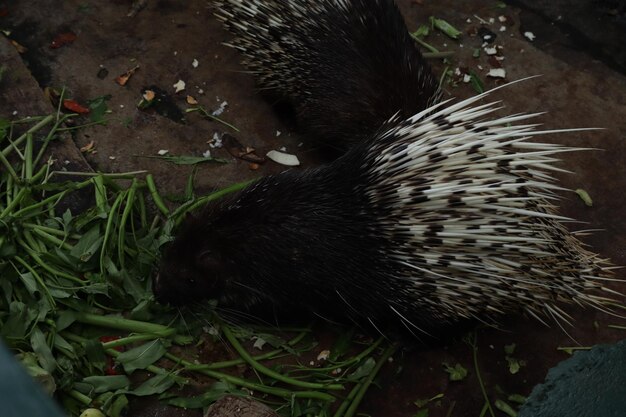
(578, 50)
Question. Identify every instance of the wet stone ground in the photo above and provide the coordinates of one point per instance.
(578, 50)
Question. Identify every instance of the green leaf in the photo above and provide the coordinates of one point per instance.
(59, 294)
(476, 83)
(117, 406)
(101, 384)
(445, 27)
(422, 402)
(43, 307)
(505, 408)
(142, 311)
(363, 370)
(514, 364)
(29, 282)
(95, 354)
(67, 218)
(517, 398)
(133, 287)
(155, 385)
(88, 244)
(141, 356)
(20, 319)
(7, 289)
(422, 413)
(63, 345)
(456, 372)
(422, 31)
(98, 108)
(42, 350)
(217, 391)
(342, 344)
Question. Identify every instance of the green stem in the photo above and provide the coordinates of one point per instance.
(436, 55)
(116, 175)
(123, 341)
(368, 381)
(474, 345)
(158, 201)
(47, 267)
(28, 157)
(121, 323)
(279, 392)
(205, 113)
(121, 238)
(16, 200)
(38, 278)
(424, 44)
(108, 230)
(192, 205)
(234, 362)
(80, 397)
(9, 167)
(45, 121)
(268, 372)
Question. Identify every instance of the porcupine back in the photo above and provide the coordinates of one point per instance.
(444, 216)
(345, 66)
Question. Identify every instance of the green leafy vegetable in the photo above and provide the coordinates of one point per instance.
(456, 372)
(444, 27)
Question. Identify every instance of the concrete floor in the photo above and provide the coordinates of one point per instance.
(578, 51)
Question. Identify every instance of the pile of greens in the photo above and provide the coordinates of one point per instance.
(77, 251)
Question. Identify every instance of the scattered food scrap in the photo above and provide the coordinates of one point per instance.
(20, 49)
(323, 355)
(191, 100)
(486, 35)
(72, 105)
(216, 141)
(163, 152)
(497, 73)
(220, 109)
(283, 158)
(585, 197)
(530, 36)
(259, 342)
(161, 102)
(123, 78)
(148, 95)
(179, 86)
(491, 50)
(194, 63)
(236, 149)
(89, 148)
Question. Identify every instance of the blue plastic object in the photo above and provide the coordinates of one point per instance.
(20, 395)
(589, 384)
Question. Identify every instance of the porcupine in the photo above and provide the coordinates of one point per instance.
(345, 66)
(435, 218)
